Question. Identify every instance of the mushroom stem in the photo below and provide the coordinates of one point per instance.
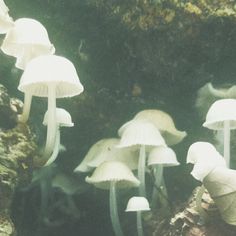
(139, 223)
(227, 142)
(113, 211)
(26, 108)
(54, 155)
(51, 126)
(200, 210)
(141, 171)
(158, 176)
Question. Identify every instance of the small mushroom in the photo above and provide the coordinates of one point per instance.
(142, 133)
(138, 204)
(222, 116)
(111, 175)
(105, 150)
(164, 123)
(53, 77)
(6, 22)
(160, 157)
(63, 119)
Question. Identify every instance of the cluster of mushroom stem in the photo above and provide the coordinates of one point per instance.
(138, 139)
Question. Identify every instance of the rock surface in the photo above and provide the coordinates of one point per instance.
(17, 149)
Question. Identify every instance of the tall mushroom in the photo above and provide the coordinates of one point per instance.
(26, 40)
(112, 175)
(222, 117)
(140, 133)
(53, 77)
(63, 119)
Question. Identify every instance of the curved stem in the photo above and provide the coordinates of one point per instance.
(51, 127)
(139, 223)
(227, 142)
(26, 108)
(141, 171)
(54, 155)
(113, 211)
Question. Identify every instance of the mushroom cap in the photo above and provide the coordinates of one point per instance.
(164, 123)
(140, 132)
(105, 150)
(220, 111)
(47, 70)
(115, 171)
(205, 158)
(220, 181)
(228, 92)
(63, 118)
(6, 22)
(27, 39)
(162, 155)
(137, 204)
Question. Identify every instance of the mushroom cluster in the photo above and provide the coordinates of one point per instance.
(210, 166)
(142, 146)
(44, 74)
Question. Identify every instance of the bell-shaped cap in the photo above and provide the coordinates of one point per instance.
(106, 150)
(137, 204)
(27, 40)
(44, 71)
(164, 123)
(6, 22)
(162, 156)
(113, 171)
(140, 132)
(63, 118)
(220, 111)
(205, 158)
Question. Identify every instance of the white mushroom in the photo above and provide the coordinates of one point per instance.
(160, 157)
(142, 133)
(63, 119)
(106, 150)
(138, 204)
(111, 175)
(53, 77)
(205, 158)
(27, 40)
(222, 117)
(164, 123)
(6, 22)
